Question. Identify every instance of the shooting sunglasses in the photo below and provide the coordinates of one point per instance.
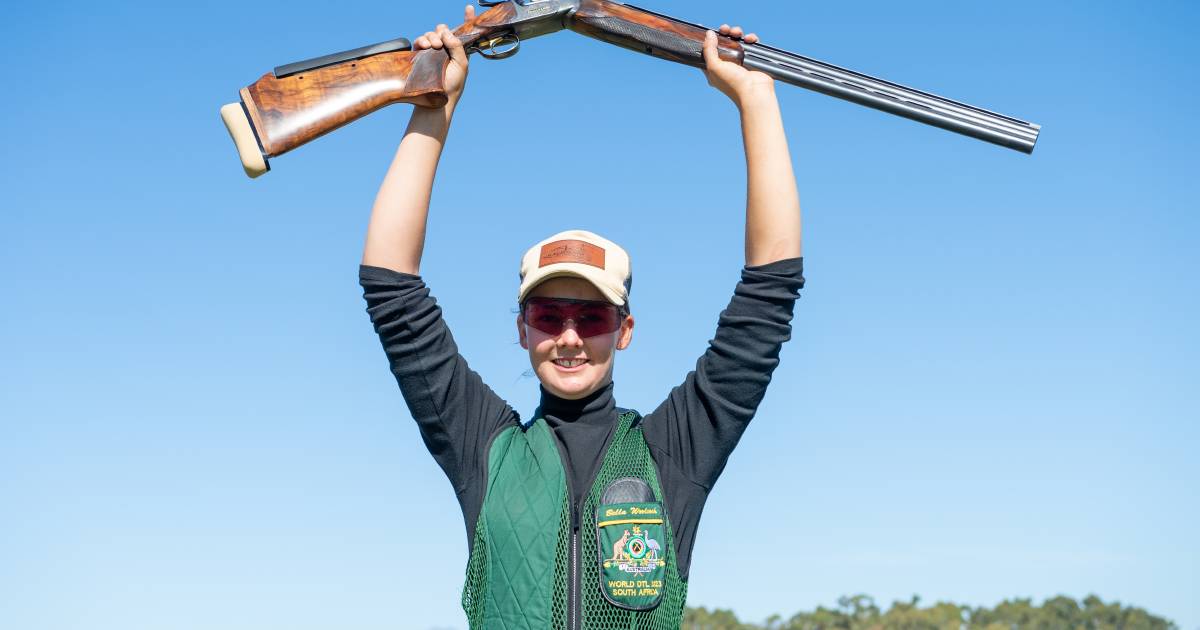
(591, 318)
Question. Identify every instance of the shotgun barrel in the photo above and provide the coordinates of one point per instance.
(678, 40)
(892, 98)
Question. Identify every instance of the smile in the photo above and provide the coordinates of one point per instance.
(569, 363)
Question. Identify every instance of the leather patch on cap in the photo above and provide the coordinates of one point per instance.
(571, 252)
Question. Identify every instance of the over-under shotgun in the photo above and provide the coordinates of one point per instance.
(299, 102)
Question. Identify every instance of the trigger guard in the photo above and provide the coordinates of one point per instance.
(487, 51)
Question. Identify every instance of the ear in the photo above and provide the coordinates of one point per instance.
(625, 334)
(521, 332)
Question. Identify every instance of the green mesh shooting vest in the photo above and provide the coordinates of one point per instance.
(531, 570)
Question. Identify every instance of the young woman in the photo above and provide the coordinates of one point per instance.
(584, 515)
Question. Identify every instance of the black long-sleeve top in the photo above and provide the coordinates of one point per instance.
(690, 435)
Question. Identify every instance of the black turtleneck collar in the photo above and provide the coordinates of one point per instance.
(593, 409)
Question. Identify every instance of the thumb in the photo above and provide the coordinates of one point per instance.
(454, 46)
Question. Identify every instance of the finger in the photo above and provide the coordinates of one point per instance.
(752, 38)
(436, 37)
(710, 49)
(422, 42)
(736, 32)
(469, 13)
(724, 29)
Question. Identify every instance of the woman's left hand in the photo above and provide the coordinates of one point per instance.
(736, 82)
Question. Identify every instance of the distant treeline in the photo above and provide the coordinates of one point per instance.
(861, 613)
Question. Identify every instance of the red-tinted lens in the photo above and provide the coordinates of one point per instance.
(550, 315)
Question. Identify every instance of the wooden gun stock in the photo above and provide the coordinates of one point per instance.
(287, 112)
(282, 111)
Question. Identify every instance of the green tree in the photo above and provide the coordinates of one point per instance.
(860, 612)
(702, 619)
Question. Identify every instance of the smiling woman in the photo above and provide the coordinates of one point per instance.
(533, 491)
(574, 311)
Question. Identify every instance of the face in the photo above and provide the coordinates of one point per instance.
(568, 365)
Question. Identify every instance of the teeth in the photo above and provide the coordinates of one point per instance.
(570, 363)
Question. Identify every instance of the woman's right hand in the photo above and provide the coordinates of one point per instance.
(456, 72)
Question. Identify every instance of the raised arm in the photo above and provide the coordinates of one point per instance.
(396, 234)
(692, 433)
(772, 202)
(455, 411)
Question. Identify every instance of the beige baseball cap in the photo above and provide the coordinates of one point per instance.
(579, 254)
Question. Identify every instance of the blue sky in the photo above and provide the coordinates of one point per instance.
(986, 395)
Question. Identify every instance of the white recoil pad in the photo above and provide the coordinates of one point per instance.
(243, 137)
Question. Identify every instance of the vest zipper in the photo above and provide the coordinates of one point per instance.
(573, 597)
(573, 592)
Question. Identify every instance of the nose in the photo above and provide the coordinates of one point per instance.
(569, 336)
